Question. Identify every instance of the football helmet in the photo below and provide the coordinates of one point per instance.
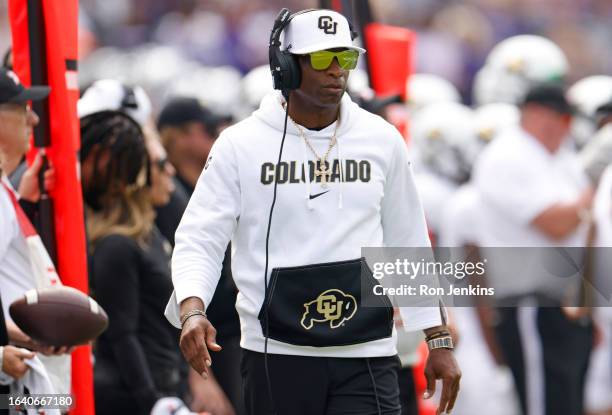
(423, 89)
(444, 137)
(586, 96)
(514, 65)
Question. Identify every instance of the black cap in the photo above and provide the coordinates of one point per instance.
(549, 95)
(183, 110)
(12, 91)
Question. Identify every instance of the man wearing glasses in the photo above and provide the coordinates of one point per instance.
(343, 182)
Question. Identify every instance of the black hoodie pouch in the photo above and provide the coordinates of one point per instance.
(320, 305)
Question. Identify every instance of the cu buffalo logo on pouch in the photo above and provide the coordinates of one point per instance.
(327, 25)
(332, 305)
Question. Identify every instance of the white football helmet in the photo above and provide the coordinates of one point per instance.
(423, 89)
(491, 119)
(444, 139)
(514, 65)
(255, 85)
(219, 88)
(358, 82)
(586, 96)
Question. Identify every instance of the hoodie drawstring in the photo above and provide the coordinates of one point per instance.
(307, 176)
(340, 185)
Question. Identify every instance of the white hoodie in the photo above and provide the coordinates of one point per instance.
(376, 205)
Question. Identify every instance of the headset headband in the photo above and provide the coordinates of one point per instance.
(282, 21)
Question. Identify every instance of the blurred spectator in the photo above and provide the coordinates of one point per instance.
(162, 171)
(112, 95)
(443, 147)
(137, 361)
(453, 39)
(587, 96)
(16, 134)
(423, 89)
(16, 123)
(200, 33)
(596, 156)
(477, 353)
(254, 86)
(534, 194)
(599, 379)
(517, 64)
(188, 131)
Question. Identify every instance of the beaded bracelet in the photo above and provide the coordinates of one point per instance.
(437, 334)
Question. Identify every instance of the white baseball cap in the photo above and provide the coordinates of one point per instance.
(109, 95)
(316, 30)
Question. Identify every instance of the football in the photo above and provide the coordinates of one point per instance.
(59, 316)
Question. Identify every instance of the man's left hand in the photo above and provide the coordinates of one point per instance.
(29, 188)
(441, 364)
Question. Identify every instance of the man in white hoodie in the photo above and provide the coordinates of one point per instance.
(342, 181)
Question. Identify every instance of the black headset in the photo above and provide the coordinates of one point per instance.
(286, 73)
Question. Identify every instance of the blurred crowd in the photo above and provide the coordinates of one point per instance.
(167, 46)
(161, 79)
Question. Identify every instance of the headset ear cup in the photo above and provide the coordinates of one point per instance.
(294, 72)
(276, 68)
(289, 77)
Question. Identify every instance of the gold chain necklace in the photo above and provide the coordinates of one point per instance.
(322, 167)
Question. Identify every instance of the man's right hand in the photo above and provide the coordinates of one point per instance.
(198, 336)
(13, 362)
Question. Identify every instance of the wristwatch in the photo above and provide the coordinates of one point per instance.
(445, 342)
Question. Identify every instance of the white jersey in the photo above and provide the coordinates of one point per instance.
(17, 277)
(15, 270)
(371, 201)
(517, 179)
(460, 224)
(599, 375)
(602, 213)
(460, 227)
(435, 192)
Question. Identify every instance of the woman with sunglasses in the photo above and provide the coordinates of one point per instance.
(338, 179)
(136, 358)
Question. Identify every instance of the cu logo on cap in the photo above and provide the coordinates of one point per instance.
(327, 25)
